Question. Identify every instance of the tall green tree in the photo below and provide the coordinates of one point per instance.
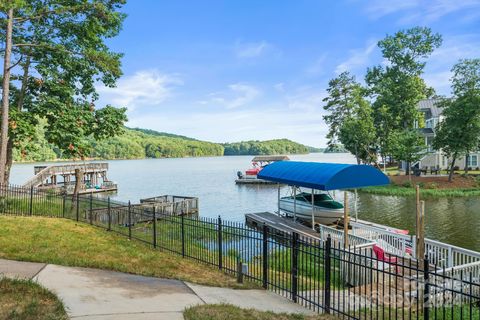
(57, 55)
(357, 132)
(459, 131)
(397, 87)
(340, 102)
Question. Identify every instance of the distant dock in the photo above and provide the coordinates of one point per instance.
(63, 176)
(254, 181)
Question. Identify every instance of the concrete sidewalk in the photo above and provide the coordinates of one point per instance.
(104, 295)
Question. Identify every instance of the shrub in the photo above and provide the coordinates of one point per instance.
(407, 184)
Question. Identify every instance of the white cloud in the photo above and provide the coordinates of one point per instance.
(380, 8)
(358, 58)
(454, 48)
(318, 66)
(144, 88)
(252, 49)
(239, 94)
(422, 11)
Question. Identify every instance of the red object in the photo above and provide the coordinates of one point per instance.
(399, 231)
(253, 171)
(382, 256)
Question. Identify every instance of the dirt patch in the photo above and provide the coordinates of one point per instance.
(437, 182)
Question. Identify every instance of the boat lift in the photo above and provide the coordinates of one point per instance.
(324, 177)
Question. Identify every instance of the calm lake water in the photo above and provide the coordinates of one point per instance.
(211, 179)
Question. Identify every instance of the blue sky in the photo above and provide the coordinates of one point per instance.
(239, 70)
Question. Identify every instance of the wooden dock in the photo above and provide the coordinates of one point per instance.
(254, 181)
(279, 223)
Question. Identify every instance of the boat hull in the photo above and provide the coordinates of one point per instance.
(304, 211)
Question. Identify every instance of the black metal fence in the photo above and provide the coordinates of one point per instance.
(351, 283)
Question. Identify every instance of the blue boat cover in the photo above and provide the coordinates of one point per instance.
(323, 176)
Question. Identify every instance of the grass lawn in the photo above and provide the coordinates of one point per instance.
(394, 190)
(68, 243)
(24, 299)
(226, 311)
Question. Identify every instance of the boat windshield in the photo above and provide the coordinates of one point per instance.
(321, 199)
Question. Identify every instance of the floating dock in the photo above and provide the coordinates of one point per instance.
(254, 181)
(171, 205)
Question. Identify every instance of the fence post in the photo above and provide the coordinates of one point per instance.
(91, 209)
(294, 266)
(182, 218)
(154, 228)
(426, 288)
(129, 220)
(265, 256)
(109, 215)
(220, 254)
(326, 294)
(77, 198)
(64, 202)
(30, 211)
(239, 270)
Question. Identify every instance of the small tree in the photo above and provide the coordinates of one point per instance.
(407, 145)
(459, 132)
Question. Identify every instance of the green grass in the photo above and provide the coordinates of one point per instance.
(68, 243)
(26, 300)
(227, 311)
(394, 190)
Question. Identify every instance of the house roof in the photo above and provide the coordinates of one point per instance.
(323, 176)
(430, 107)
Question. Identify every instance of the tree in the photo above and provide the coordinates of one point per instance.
(340, 102)
(398, 87)
(407, 145)
(60, 55)
(459, 131)
(357, 132)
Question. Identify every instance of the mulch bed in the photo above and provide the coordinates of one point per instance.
(438, 182)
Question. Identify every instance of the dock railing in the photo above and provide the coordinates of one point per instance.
(323, 276)
(449, 259)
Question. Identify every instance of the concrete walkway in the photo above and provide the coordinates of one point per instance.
(105, 295)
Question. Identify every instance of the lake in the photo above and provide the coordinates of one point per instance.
(211, 179)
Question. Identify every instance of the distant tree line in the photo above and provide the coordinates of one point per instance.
(277, 146)
(143, 143)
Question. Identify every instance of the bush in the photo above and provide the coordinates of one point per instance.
(407, 184)
(431, 185)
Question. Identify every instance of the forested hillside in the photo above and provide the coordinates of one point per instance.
(143, 143)
(131, 144)
(277, 146)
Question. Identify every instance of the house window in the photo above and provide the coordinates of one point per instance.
(472, 161)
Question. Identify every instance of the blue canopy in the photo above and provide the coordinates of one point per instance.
(323, 176)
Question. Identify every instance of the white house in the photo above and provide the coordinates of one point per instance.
(435, 158)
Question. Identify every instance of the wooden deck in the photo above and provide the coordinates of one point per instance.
(279, 223)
